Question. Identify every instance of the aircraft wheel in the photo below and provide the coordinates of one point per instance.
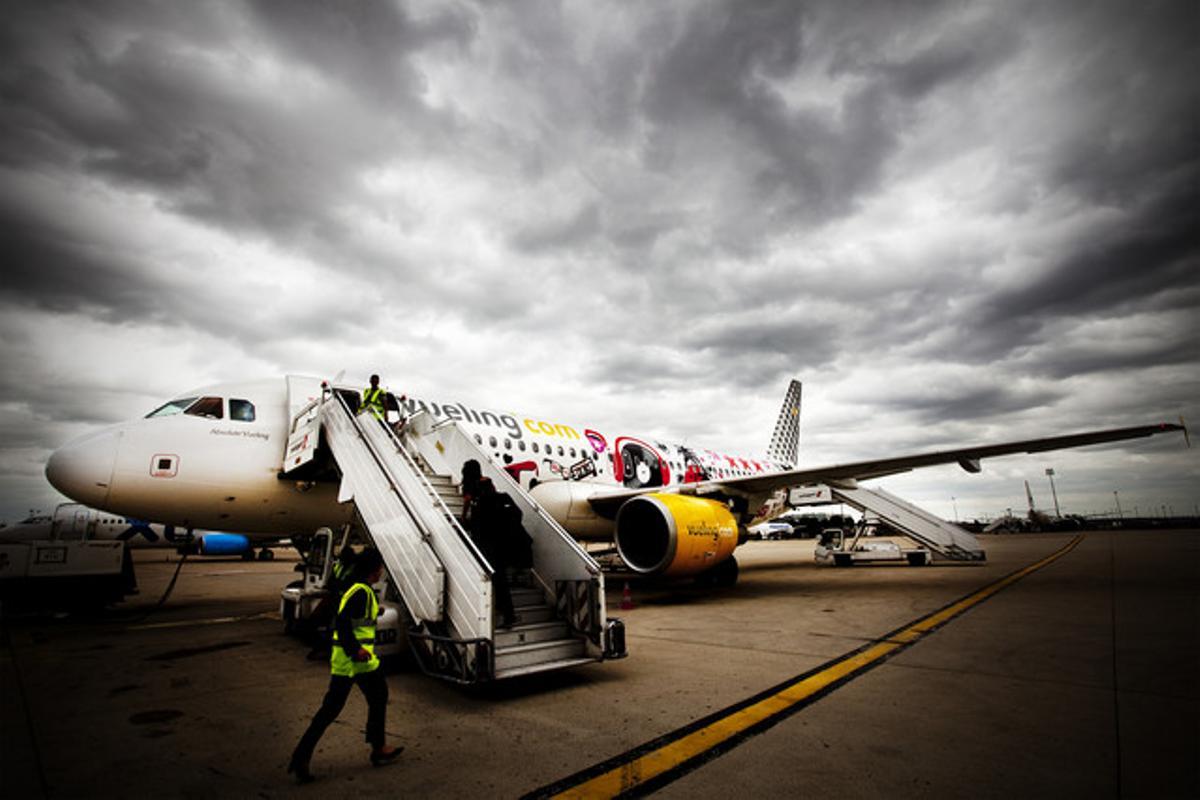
(723, 574)
(266, 554)
(726, 573)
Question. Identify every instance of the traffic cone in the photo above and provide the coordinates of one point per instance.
(626, 598)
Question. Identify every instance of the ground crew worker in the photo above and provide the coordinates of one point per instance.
(374, 399)
(353, 661)
(322, 615)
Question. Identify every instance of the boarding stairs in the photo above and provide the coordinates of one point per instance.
(406, 497)
(942, 537)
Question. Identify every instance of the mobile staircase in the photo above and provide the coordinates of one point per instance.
(942, 537)
(407, 500)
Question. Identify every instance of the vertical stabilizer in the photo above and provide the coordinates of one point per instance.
(785, 441)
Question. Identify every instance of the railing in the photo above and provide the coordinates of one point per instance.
(465, 661)
(562, 568)
(464, 593)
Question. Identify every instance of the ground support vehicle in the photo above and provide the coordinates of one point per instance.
(308, 607)
(59, 573)
(842, 549)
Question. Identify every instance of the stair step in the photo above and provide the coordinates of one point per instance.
(526, 655)
(523, 596)
(529, 614)
(528, 633)
(543, 667)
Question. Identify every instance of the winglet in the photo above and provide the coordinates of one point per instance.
(1186, 436)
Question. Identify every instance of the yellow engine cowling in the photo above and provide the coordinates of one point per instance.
(674, 535)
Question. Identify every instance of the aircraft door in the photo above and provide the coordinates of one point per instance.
(639, 466)
(71, 522)
(79, 527)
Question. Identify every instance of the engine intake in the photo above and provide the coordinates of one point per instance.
(674, 535)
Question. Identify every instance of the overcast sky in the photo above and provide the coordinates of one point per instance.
(955, 222)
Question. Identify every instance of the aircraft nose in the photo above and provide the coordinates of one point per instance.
(82, 469)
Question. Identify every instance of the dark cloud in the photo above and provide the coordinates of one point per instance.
(933, 404)
(1152, 260)
(365, 46)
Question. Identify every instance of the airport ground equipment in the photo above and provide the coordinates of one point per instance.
(843, 549)
(944, 538)
(300, 600)
(404, 489)
(65, 571)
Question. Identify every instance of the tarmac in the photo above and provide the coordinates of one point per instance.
(1079, 676)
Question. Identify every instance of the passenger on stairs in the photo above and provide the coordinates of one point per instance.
(482, 519)
(353, 661)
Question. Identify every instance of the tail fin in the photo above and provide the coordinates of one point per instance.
(785, 441)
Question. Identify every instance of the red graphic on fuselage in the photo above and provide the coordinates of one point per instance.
(638, 465)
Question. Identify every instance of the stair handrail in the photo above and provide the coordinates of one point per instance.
(420, 476)
(511, 485)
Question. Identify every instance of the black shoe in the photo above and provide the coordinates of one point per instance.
(380, 758)
(301, 772)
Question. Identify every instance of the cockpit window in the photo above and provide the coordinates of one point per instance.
(210, 407)
(241, 410)
(173, 407)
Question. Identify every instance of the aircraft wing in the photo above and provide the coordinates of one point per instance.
(607, 503)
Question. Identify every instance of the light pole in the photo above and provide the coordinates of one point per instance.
(955, 502)
(1117, 497)
(1050, 475)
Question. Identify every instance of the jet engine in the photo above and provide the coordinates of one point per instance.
(674, 535)
(222, 544)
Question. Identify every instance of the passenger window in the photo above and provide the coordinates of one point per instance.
(173, 407)
(241, 410)
(508, 444)
(492, 441)
(560, 450)
(210, 407)
(572, 452)
(478, 439)
(521, 445)
(535, 447)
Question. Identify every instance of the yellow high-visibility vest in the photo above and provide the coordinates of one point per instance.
(372, 400)
(364, 631)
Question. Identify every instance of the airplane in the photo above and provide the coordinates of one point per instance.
(76, 521)
(213, 458)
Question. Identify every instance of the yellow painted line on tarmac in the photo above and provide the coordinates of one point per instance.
(188, 623)
(656, 763)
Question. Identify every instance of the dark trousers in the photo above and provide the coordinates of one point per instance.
(374, 688)
(503, 592)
